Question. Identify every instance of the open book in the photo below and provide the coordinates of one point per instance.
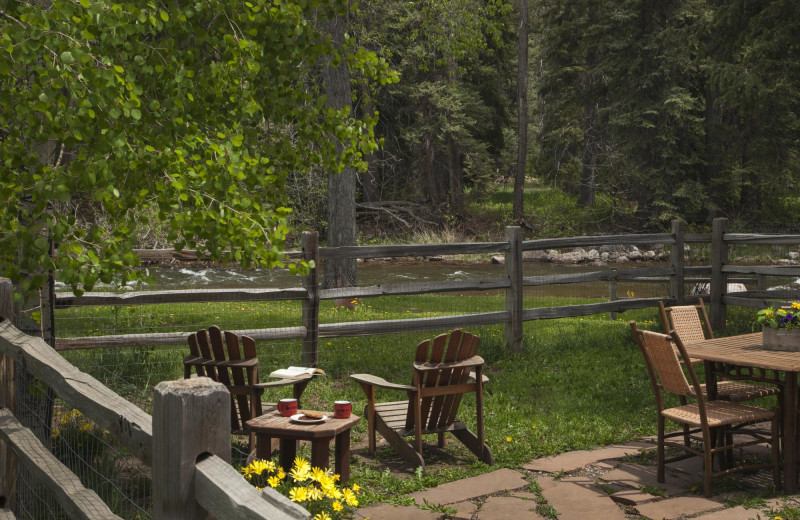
(296, 372)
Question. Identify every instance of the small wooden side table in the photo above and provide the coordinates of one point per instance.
(273, 424)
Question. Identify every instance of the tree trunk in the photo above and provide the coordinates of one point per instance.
(589, 159)
(370, 185)
(455, 185)
(713, 153)
(341, 186)
(522, 113)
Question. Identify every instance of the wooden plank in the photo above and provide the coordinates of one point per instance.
(224, 493)
(676, 258)
(310, 317)
(760, 303)
(61, 484)
(190, 419)
(168, 338)
(179, 296)
(513, 269)
(8, 463)
(598, 276)
(571, 311)
(770, 270)
(132, 426)
(719, 257)
(422, 250)
(760, 239)
(414, 288)
(366, 328)
(604, 240)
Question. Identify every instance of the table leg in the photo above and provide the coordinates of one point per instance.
(342, 456)
(320, 452)
(263, 446)
(288, 451)
(790, 433)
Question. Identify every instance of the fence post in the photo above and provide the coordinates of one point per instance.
(8, 462)
(612, 292)
(677, 285)
(310, 244)
(513, 264)
(719, 285)
(191, 417)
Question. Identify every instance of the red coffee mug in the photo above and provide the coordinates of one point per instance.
(342, 409)
(287, 407)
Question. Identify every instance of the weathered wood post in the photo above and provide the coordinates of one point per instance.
(513, 265)
(191, 417)
(310, 243)
(612, 292)
(8, 462)
(677, 287)
(719, 282)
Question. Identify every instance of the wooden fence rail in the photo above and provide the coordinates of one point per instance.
(184, 486)
(676, 274)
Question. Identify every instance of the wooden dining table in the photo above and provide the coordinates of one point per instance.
(746, 350)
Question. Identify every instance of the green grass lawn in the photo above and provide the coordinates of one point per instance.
(577, 384)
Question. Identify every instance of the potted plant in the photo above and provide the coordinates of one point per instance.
(781, 327)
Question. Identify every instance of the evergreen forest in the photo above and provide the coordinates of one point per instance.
(661, 109)
(228, 126)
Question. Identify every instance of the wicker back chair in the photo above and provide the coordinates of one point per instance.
(704, 418)
(690, 323)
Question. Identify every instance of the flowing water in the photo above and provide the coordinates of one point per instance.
(391, 273)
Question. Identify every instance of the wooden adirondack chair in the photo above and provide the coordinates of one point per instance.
(237, 369)
(444, 370)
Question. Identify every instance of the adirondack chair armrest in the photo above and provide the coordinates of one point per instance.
(474, 361)
(285, 381)
(369, 379)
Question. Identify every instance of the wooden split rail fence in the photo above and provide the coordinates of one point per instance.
(192, 474)
(513, 283)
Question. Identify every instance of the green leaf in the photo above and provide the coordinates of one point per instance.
(164, 15)
(136, 114)
(67, 58)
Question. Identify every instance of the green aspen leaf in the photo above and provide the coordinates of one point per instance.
(119, 69)
(84, 4)
(67, 58)
(42, 244)
(136, 114)
(164, 15)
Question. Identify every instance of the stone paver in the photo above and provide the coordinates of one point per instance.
(577, 498)
(464, 510)
(637, 475)
(486, 484)
(575, 460)
(678, 506)
(632, 497)
(732, 513)
(390, 512)
(503, 508)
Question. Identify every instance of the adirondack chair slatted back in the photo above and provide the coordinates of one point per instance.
(218, 360)
(469, 348)
(438, 411)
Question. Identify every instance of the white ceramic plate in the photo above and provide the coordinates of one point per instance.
(298, 418)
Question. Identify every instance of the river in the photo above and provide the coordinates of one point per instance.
(390, 273)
